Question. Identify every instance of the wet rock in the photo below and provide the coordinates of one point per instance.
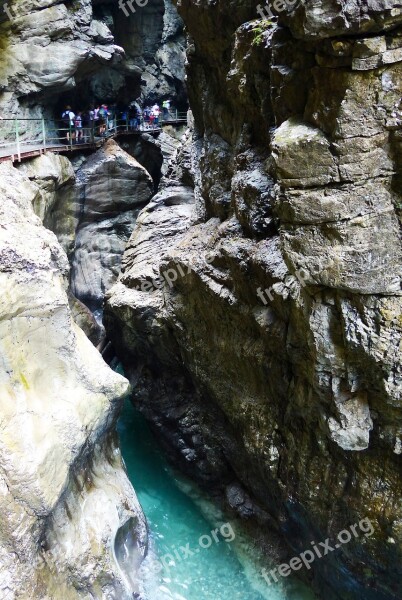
(278, 342)
(64, 492)
(332, 18)
(302, 156)
(51, 173)
(45, 46)
(50, 49)
(154, 153)
(154, 44)
(85, 320)
(111, 188)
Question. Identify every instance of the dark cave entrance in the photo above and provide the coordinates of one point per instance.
(130, 77)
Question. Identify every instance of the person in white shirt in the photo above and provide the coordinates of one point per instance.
(156, 111)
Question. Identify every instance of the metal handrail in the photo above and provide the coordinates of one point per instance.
(50, 133)
(173, 116)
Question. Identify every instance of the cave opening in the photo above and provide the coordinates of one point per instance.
(133, 50)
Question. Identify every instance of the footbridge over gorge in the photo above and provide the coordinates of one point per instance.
(21, 139)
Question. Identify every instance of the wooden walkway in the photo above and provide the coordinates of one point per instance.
(24, 151)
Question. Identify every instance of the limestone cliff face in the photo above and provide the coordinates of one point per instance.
(71, 525)
(269, 360)
(94, 218)
(154, 44)
(54, 52)
(110, 190)
(67, 506)
(48, 47)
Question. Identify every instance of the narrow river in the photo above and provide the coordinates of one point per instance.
(197, 560)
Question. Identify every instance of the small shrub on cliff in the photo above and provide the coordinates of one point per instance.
(260, 30)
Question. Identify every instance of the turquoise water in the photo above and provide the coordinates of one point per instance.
(195, 559)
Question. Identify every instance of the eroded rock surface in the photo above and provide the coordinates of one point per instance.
(154, 43)
(48, 46)
(272, 361)
(65, 497)
(51, 174)
(94, 218)
(55, 53)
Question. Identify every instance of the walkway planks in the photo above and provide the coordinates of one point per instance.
(25, 151)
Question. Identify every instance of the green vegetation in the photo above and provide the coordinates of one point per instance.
(259, 31)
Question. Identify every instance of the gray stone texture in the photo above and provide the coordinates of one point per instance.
(273, 361)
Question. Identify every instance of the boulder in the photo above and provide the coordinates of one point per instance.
(95, 218)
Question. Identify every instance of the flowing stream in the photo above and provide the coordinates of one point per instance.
(195, 554)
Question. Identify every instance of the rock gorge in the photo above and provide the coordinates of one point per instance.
(248, 278)
(64, 492)
(71, 523)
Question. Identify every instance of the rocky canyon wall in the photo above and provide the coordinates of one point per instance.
(71, 524)
(47, 48)
(258, 312)
(76, 52)
(67, 506)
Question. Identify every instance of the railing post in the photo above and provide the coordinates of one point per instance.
(71, 131)
(17, 139)
(44, 133)
(177, 115)
(127, 121)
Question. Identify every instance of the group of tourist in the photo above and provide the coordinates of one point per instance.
(147, 117)
(99, 120)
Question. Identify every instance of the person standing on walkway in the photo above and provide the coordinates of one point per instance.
(96, 120)
(139, 118)
(68, 118)
(103, 119)
(112, 117)
(156, 111)
(166, 109)
(147, 114)
(132, 115)
(78, 127)
(91, 123)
